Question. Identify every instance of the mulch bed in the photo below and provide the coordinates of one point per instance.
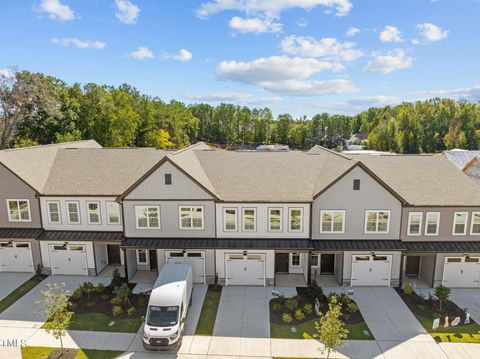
(65, 354)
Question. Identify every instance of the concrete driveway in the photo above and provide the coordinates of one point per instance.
(11, 281)
(467, 298)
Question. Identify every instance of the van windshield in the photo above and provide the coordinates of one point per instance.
(162, 316)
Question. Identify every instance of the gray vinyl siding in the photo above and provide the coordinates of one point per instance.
(371, 196)
(169, 219)
(154, 186)
(11, 187)
(446, 224)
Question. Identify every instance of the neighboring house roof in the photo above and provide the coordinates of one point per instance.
(33, 164)
(101, 236)
(461, 158)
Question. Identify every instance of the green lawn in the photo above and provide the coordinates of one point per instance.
(206, 322)
(462, 334)
(42, 353)
(20, 292)
(306, 329)
(100, 323)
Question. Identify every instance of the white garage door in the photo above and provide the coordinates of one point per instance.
(461, 272)
(245, 270)
(69, 260)
(195, 259)
(368, 270)
(16, 257)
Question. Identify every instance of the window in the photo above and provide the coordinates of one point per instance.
(168, 178)
(332, 221)
(191, 217)
(147, 217)
(249, 219)
(93, 209)
(53, 208)
(432, 220)
(475, 226)
(295, 219)
(18, 210)
(314, 260)
(460, 223)
(142, 257)
(73, 212)
(295, 260)
(415, 223)
(113, 212)
(230, 219)
(377, 221)
(274, 219)
(356, 184)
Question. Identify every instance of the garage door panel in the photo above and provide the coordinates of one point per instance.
(16, 257)
(245, 270)
(68, 260)
(195, 259)
(368, 270)
(461, 272)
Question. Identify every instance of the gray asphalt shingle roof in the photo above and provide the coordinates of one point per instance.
(460, 157)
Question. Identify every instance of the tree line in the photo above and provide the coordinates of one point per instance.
(40, 109)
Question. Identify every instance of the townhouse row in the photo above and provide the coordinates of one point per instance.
(239, 217)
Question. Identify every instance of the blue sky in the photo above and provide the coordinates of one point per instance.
(297, 56)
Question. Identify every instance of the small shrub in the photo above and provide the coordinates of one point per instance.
(314, 291)
(287, 318)
(88, 288)
(299, 315)
(77, 293)
(436, 315)
(141, 299)
(131, 311)
(91, 304)
(100, 288)
(308, 308)
(408, 289)
(277, 307)
(116, 301)
(291, 304)
(72, 307)
(442, 293)
(117, 280)
(345, 299)
(281, 299)
(421, 307)
(346, 316)
(352, 307)
(117, 310)
(104, 297)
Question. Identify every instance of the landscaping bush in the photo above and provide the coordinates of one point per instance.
(88, 288)
(421, 307)
(100, 288)
(277, 307)
(307, 308)
(104, 297)
(72, 307)
(91, 304)
(77, 293)
(116, 301)
(117, 280)
(281, 299)
(117, 310)
(314, 291)
(352, 307)
(287, 318)
(131, 311)
(346, 316)
(123, 293)
(408, 289)
(299, 314)
(291, 304)
(141, 299)
(345, 299)
(442, 293)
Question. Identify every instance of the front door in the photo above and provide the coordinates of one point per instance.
(327, 263)
(412, 266)
(281, 262)
(153, 260)
(113, 253)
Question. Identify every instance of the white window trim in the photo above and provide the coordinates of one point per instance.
(332, 211)
(410, 214)
(147, 259)
(471, 224)
(225, 209)
(290, 219)
(377, 211)
(99, 209)
(59, 212)
(78, 211)
(437, 226)
(299, 260)
(254, 219)
(10, 219)
(119, 213)
(454, 222)
(148, 222)
(269, 227)
(191, 228)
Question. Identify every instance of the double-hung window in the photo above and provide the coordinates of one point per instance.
(73, 212)
(230, 219)
(332, 221)
(113, 212)
(295, 219)
(191, 217)
(53, 209)
(142, 257)
(93, 211)
(295, 260)
(432, 221)
(249, 219)
(275, 219)
(475, 226)
(18, 210)
(460, 223)
(377, 221)
(147, 217)
(415, 223)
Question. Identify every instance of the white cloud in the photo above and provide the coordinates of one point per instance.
(256, 25)
(328, 48)
(391, 61)
(127, 12)
(56, 10)
(415, 41)
(431, 32)
(235, 97)
(183, 56)
(270, 8)
(80, 44)
(302, 22)
(311, 88)
(142, 53)
(390, 34)
(471, 94)
(352, 31)
(357, 105)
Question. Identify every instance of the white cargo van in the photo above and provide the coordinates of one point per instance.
(167, 308)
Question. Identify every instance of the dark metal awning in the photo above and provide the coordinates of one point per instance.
(214, 243)
(433, 247)
(20, 232)
(81, 236)
(358, 245)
